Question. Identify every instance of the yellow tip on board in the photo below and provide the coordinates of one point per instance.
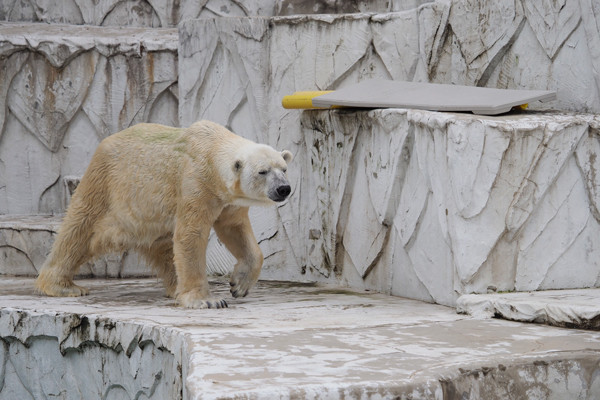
(302, 100)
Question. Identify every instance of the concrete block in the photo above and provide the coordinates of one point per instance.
(579, 308)
(469, 202)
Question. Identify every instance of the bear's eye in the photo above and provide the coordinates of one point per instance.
(263, 172)
(284, 170)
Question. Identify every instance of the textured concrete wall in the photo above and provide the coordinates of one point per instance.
(63, 89)
(67, 88)
(293, 7)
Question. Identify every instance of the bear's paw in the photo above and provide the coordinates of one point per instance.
(64, 290)
(195, 300)
(239, 287)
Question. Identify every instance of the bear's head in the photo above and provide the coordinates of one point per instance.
(261, 175)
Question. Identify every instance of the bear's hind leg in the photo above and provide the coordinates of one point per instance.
(234, 230)
(73, 246)
(160, 257)
(69, 251)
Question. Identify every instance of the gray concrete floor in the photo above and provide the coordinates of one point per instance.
(288, 340)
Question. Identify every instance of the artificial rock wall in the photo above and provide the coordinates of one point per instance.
(136, 13)
(99, 87)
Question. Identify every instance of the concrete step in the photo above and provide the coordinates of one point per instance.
(26, 240)
(284, 340)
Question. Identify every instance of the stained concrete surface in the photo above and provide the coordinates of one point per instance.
(290, 340)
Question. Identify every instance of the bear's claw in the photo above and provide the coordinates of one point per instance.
(75, 291)
(213, 303)
(219, 303)
(238, 292)
(240, 287)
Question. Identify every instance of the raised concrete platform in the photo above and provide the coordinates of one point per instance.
(126, 340)
(451, 203)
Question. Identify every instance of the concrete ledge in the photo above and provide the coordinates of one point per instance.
(578, 308)
(59, 42)
(165, 14)
(26, 240)
(127, 13)
(284, 340)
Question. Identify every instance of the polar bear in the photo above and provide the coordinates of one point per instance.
(159, 190)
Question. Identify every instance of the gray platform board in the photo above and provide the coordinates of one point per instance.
(378, 93)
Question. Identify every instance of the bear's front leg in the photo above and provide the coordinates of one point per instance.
(234, 230)
(189, 250)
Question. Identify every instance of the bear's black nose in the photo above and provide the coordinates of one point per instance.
(284, 190)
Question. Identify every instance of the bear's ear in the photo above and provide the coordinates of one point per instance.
(237, 166)
(287, 156)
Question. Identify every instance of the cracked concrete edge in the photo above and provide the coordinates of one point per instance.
(77, 335)
(579, 308)
(48, 223)
(61, 44)
(75, 330)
